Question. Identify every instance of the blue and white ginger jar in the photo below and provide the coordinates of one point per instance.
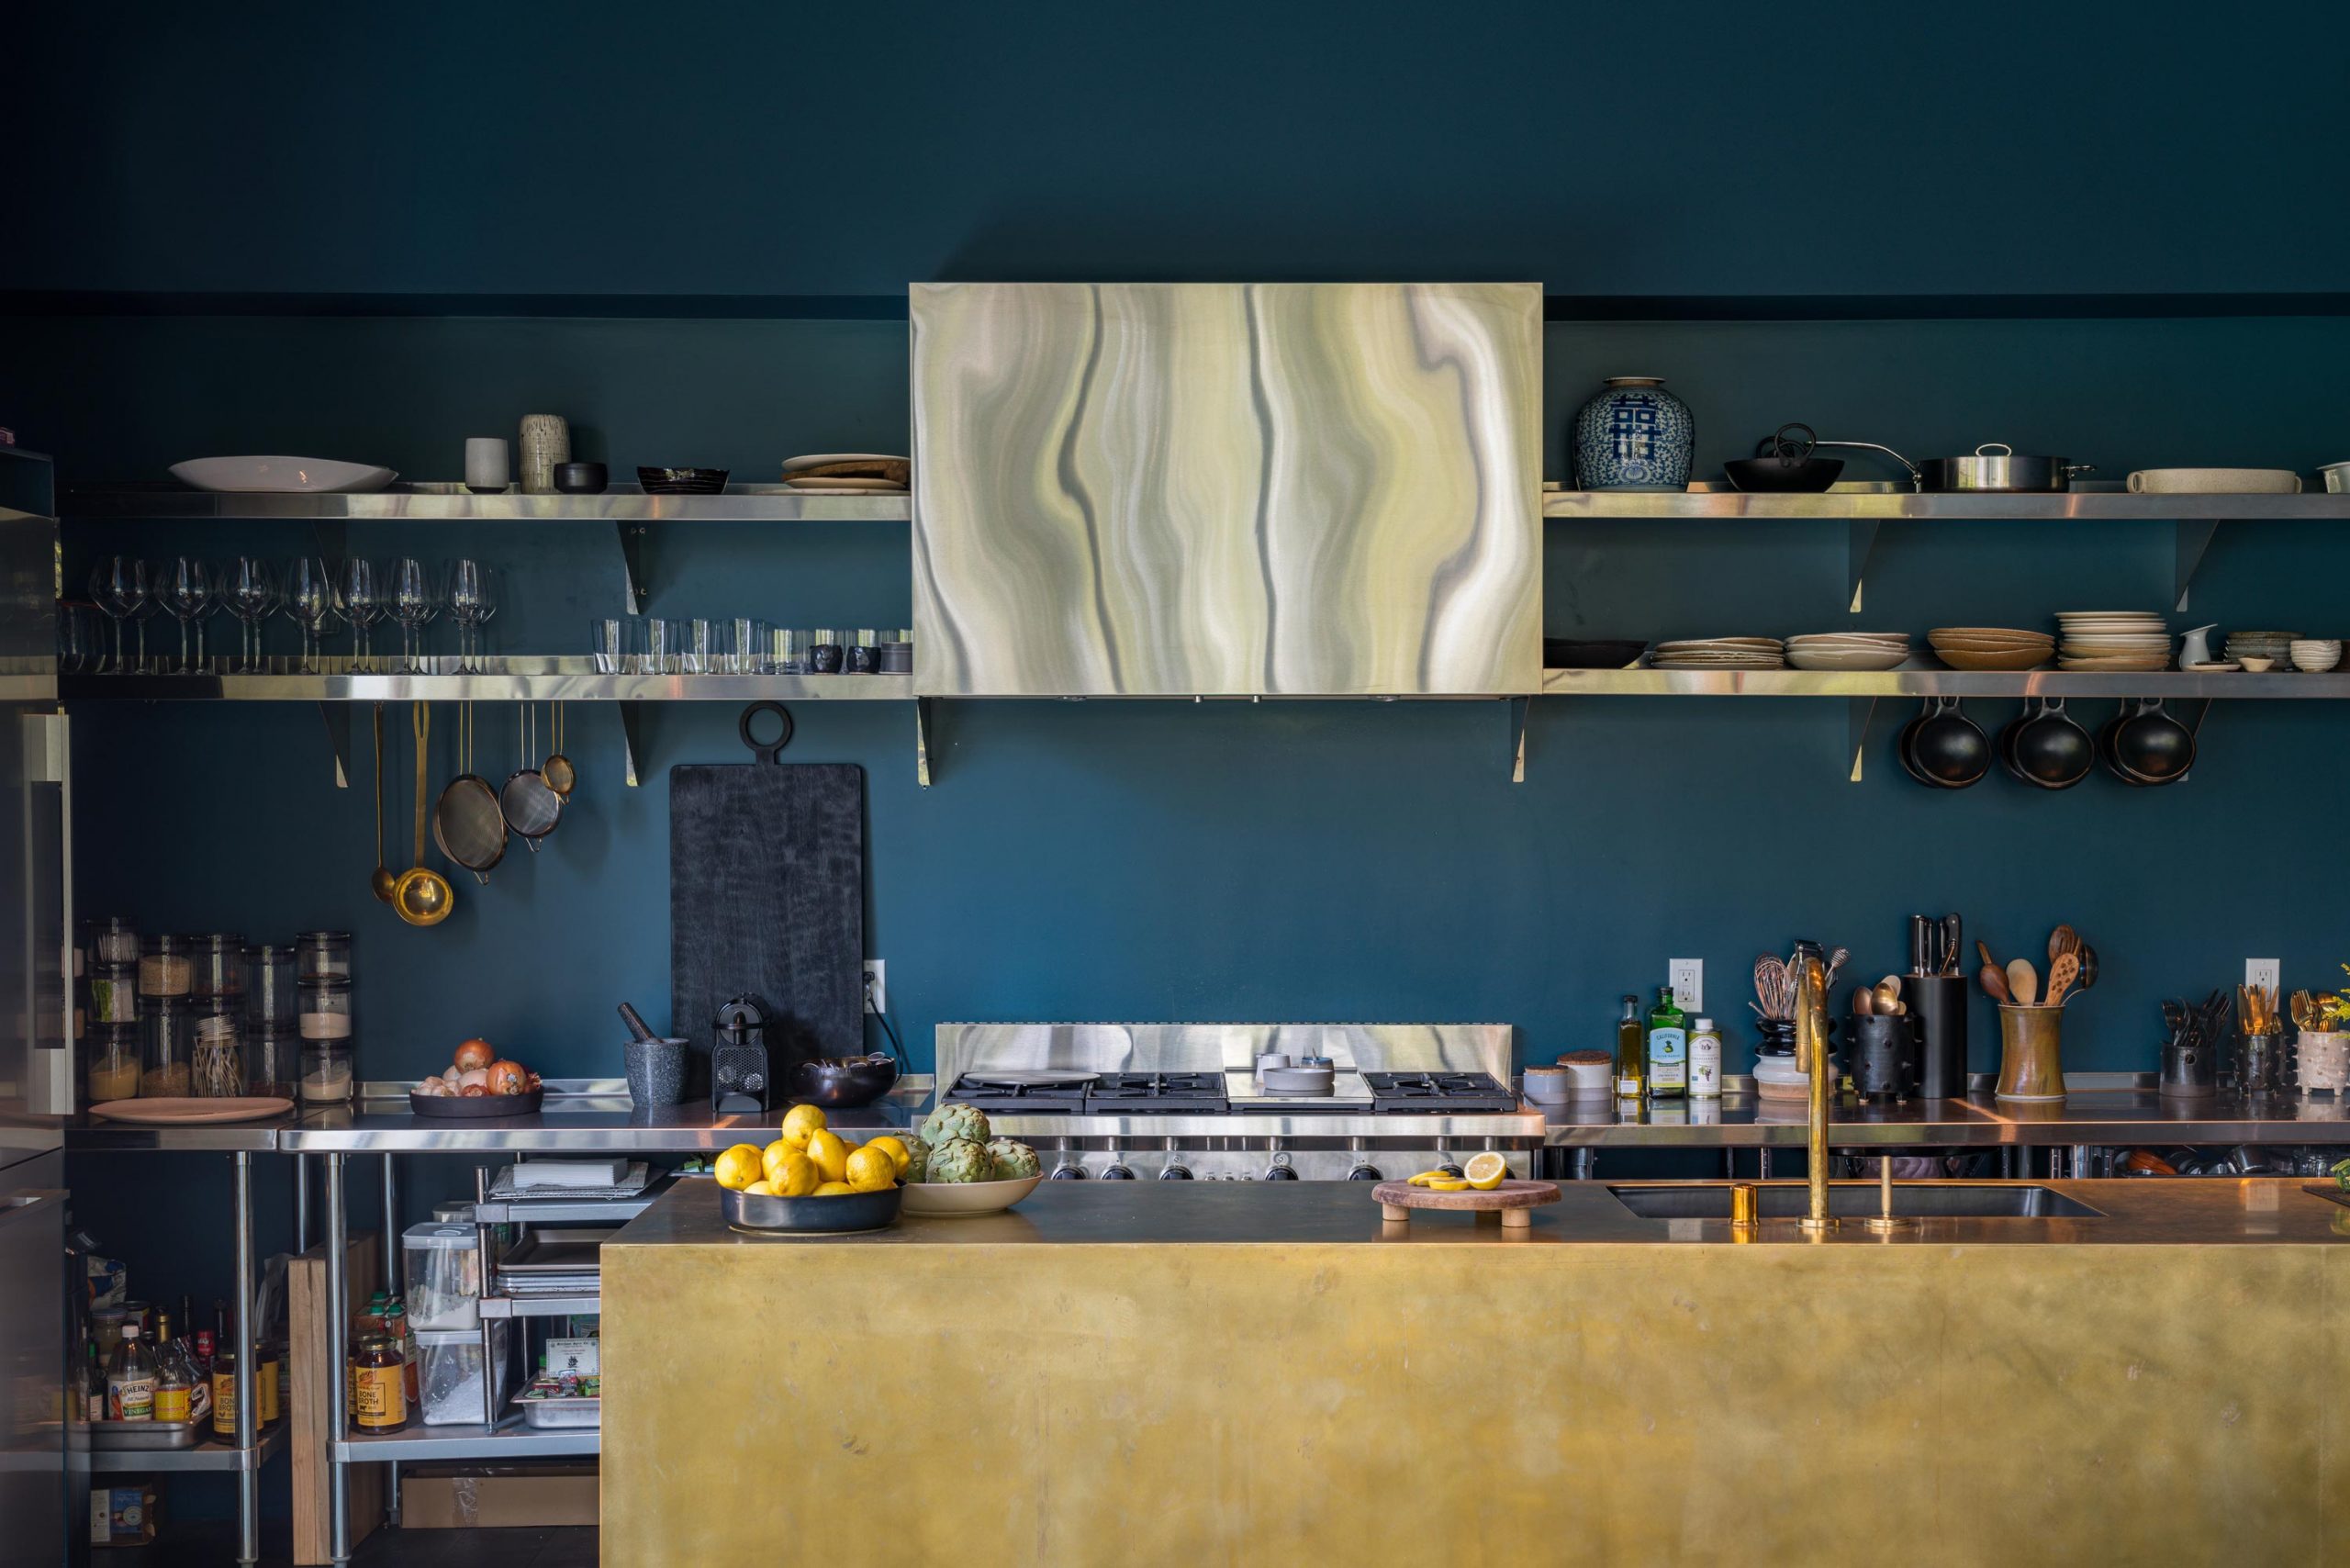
(1634, 436)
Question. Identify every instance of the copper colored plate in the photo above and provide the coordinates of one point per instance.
(2021, 659)
(188, 1110)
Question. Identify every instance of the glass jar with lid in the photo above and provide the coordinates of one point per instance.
(323, 953)
(216, 968)
(271, 1002)
(114, 941)
(110, 1062)
(164, 968)
(167, 1041)
(326, 1073)
(114, 993)
(324, 1007)
(217, 1052)
(272, 1062)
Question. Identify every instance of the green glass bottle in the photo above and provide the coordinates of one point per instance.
(1668, 1048)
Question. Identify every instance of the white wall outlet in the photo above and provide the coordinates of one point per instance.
(2262, 972)
(1688, 978)
(876, 987)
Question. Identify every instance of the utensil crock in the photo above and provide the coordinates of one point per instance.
(2030, 1040)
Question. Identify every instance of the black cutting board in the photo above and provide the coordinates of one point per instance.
(766, 896)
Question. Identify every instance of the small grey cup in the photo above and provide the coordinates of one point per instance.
(656, 1072)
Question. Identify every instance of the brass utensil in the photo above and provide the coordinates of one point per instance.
(1863, 1001)
(557, 770)
(421, 896)
(2061, 971)
(2023, 982)
(2304, 1011)
(1994, 981)
(382, 880)
(1888, 997)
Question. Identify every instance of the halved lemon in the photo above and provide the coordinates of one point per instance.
(1485, 1172)
(1442, 1184)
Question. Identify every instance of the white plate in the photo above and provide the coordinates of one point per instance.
(818, 459)
(281, 475)
(1798, 659)
(966, 1198)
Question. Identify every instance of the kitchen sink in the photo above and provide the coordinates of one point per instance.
(1854, 1199)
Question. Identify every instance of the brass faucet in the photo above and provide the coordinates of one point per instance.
(1811, 1056)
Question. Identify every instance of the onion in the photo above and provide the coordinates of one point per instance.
(473, 1054)
(508, 1077)
(450, 1077)
(474, 1092)
(473, 1077)
(435, 1086)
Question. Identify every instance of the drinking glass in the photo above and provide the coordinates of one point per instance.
(415, 591)
(248, 588)
(80, 643)
(310, 601)
(363, 606)
(473, 600)
(660, 645)
(185, 585)
(697, 646)
(118, 587)
(745, 649)
(606, 642)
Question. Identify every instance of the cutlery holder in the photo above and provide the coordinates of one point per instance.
(2188, 1071)
(1937, 1004)
(2260, 1063)
(2323, 1059)
(1883, 1058)
(2029, 1053)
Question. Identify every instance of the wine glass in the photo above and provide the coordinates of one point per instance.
(250, 591)
(414, 592)
(118, 586)
(473, 600)
(310, 601)
(185, 587)
(363, 606)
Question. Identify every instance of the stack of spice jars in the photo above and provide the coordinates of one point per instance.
(218, 983)
(322, 979)
(273, 1046)
(110, 1047)
(166, 1017)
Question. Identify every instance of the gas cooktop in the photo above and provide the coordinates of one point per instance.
(1107, 1093)
(1460, 1091)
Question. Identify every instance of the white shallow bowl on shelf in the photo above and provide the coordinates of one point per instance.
(966, 1198)
(281, 475)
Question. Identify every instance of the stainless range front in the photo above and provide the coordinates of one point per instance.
(1185, 1101)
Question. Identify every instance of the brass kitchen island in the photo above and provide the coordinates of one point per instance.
(1120, 1372)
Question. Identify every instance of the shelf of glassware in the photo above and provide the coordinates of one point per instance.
(497, 680)
(213, 1454)
(450, 502)
(1921, 682)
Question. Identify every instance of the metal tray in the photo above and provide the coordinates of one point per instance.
(840, 1215)
(570, 1250)
(147, 1436)
(557, 1413)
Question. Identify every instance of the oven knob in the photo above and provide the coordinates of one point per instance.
(1116, 1170)
(1174, 1172)
(1068, 1170)
(1365, 1173)
(1278, 1171)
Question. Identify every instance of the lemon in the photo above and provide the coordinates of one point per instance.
(761, 1189)
(739, 1167)
(802, 1122)
(1446, 1184)
(834, 1189)
(1485, 1170)
(830, 1155)
(771, 1158)
(796, 1178)
(870, 1168)
(1428, 1178)
(899, 1156)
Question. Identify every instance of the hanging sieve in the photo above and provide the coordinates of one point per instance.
(467, 822)
(557, 770)
(530, 805)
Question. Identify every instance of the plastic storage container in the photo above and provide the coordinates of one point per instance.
(111, 1059)
(114, 993)
(164, 969)
(323, 953)
(167, 1046)
(272, 1062)
(114, 941)
(327, 1076)
(324, 1007)
(443, 1266)
(272, 1000)
(216, 968)
(216, 1054)
(568, 1411)
(449, 1373)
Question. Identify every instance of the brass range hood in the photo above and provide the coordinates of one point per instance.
(1226, 489)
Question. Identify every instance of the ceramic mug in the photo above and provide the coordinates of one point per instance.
(2337, 478)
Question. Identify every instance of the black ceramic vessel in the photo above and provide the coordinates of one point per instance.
(581, 478)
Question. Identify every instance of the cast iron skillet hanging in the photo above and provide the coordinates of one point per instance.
(530, 805)
(467, 822)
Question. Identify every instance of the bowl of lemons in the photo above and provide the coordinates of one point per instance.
(812, 1181)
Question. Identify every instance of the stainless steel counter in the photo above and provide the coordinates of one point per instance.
(583, 1123)
(95, 1135)
(2092, 1117)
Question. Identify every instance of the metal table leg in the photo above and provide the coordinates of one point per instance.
(301, 1205)
(338, 1326)
(248, 1369)
(391, 1233)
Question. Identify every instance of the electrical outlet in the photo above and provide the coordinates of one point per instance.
(2262, 972)
(1688, 978)
(876, 987)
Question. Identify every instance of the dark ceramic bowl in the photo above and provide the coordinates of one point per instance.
(1764, 474)
(481, 1107)
(682, 481)
(839, 1214)
(2152, 747)
(1944, 747)
(1591, 653)
(2048, 749)
(843, 1083)
(581, 478)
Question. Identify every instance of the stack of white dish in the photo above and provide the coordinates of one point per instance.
(2113, 640)
(848, 474)
(1991, 647)
(1721, 652)
(2274, 647)
(2315, 655)
(1848, 650)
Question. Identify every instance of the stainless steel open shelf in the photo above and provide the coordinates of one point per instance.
(1886, 506)
(1910, 682)
(508, 1439)
(452, 502)
(578, 1304)
(517, 679)
(212, 1455)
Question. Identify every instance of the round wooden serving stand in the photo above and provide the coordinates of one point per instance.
(1514, 1201)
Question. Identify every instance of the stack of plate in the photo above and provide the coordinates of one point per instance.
(1721, 652)
(2113, 640)
(1991, 647)
(848, 474)
(2273, 647)
(1848, 649)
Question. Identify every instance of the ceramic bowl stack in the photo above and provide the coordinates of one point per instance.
(2315, 655)
(1721, 652)
(1991, 647)
(2119, 640)
(2265, 650)
(1848, 649)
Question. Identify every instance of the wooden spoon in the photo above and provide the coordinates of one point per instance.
(2023, 982)
(2062, 973)
(1994, 981)
(2061, 941)
(1983, 951)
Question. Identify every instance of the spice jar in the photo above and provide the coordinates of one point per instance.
(111, 1055)
(217, 1060)
(163, 966)
(326, 1074)
(167, 1038)
(323, 953)
(216, 968)
(378, 1384)
(823, 652)
(324, 1007)
(272, 1062)
(114, 993)
(114, 941)
(270, 1000)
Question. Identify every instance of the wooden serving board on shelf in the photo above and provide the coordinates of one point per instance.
(1513, 1200)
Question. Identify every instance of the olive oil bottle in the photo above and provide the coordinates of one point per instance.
(1631, 1052)
(1668, 1048)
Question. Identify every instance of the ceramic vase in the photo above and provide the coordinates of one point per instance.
(1634, 436)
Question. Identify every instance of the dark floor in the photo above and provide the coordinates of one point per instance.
(215, 1546)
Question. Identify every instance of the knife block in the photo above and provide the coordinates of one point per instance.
(1939, 1005)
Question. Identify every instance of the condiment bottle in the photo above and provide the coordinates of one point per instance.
(224, 1392)
(378, 1385)
(130, 1380)
(1705, 1060)
(1631, 1051)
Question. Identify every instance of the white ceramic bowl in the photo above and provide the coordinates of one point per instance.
(314, 476)
(2255, 665)
(2314, 656)
(966, 1198)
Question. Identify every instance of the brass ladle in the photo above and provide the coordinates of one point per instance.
(383, 881)
(421, 896)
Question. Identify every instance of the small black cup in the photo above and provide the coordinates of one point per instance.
(581, 478)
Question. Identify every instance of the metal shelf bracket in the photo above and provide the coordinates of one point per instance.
(925, 722)
(632, 538)
(632, 740)
(2194, 538)
(1860, 544)
(338, 721)
(1520, 708)
(1858, 714)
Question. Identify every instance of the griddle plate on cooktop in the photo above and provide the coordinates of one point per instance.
(1424, 1092)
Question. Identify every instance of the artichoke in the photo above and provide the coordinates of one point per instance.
(961, 1159)
(951, 1122)
(1013, 1161)
(917, 1157)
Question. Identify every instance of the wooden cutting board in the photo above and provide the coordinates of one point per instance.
(1512, 1200)
(180, 1111)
